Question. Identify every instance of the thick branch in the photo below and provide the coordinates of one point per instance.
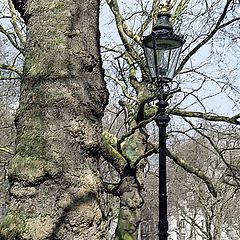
(206, 116)
(14, 19)
(151, 111)
(20, 6)
(123, 30)
(110, 153)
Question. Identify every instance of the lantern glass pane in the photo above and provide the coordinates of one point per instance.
(149, 53)
(163, 61)
(162, 56)
(167, 62)
(174, 56)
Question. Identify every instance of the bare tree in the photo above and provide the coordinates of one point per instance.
(207, 73)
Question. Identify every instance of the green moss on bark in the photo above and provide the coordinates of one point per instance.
(12, 225)
(30, 169)
(36, 66)
(125, 229)
(32, 142)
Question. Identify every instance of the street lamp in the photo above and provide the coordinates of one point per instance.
(162, 50)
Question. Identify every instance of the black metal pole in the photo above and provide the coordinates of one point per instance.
(162, 119)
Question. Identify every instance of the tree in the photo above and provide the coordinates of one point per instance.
(54, 182)
(208, 216)
(205, 64)
(9, 88)
(60, 106)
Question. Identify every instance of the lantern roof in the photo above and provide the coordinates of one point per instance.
(162, 48)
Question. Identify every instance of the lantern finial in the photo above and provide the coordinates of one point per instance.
(164, 8)
(162, 48)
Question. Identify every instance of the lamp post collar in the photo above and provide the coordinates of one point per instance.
(163, 22)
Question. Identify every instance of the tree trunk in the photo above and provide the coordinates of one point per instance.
(129, 213)
(131, 171)
(54, 181)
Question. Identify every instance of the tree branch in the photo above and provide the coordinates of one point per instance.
(8, 35)
(206, 116)
(209, 36)
(191, 169)
(215, 148)
(14, 18)
(123, 30)
(10, 68)
(151, 111)
(110, 154)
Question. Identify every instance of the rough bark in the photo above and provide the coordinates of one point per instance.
(54, 181)
(129, 212)
(124, 157)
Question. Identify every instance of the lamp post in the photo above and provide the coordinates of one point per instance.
(162, 50)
